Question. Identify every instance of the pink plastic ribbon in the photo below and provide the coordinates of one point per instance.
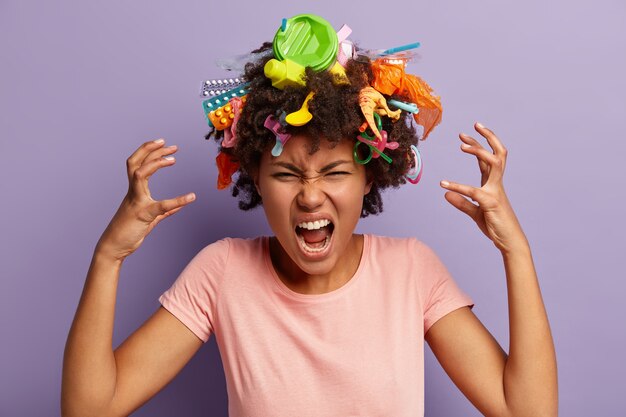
(272, 123)
(342, 35)
(230, 133)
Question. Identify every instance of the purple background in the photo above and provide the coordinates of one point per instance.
(83, 84)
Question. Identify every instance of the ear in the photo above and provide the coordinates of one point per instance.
(255, 179)
(368, 185)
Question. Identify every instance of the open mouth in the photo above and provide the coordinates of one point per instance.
(315, 236)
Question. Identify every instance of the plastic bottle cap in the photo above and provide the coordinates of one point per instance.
(274, 68)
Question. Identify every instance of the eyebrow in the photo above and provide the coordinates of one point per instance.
(297, 170)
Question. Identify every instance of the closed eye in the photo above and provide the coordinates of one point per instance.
(284, 175)
(338, 173)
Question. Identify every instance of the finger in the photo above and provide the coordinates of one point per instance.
(158, 153)
(172, 211)
(461, 203)
(141, 176)
(495, 164)
(471, 192)
(160, 208)
(494, 142)
(482, 165)
(469, 140)
(160, 217)
(134, 161)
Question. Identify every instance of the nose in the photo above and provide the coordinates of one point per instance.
(311, 195)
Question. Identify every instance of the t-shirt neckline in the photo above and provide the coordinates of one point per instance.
(315, 297)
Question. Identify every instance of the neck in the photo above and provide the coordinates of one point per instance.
(299, 281)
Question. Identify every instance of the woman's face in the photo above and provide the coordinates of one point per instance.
(313, 202)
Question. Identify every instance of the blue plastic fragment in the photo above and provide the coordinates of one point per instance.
(278, 148)
(410, 107)
(402, 48)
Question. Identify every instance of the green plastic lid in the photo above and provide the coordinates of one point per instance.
(308, 40)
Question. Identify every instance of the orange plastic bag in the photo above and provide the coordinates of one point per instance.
(391, 79)
(226, 166)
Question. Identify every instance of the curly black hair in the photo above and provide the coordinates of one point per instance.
(337, 116)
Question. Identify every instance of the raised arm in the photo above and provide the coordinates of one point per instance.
(98, 381)
(524, 382)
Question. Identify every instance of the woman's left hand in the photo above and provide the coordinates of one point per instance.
(493, 214)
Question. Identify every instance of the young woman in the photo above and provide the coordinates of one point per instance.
(316, 320)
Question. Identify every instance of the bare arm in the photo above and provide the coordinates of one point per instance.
(149, 359)
(88, 364)
(523, 383)
(530, 375)
(92, 372)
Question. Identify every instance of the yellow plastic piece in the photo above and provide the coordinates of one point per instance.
(284, 73)
(339, 74)
(302, 116)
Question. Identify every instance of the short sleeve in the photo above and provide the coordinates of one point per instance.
(193, 296)
(441, 294)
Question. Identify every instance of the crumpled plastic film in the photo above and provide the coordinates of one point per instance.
(391, 79)
(230, 133)
(226, 166)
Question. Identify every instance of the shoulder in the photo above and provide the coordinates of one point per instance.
(227, 253)
(214, 248)
(225, 247)
(214, 261)
(405, 245)
(409, 252)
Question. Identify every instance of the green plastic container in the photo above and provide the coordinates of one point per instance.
(307, 40)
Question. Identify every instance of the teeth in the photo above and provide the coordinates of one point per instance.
(318, 224)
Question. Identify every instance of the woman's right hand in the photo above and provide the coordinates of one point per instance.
(139, 213)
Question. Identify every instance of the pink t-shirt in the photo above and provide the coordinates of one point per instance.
(355, 351)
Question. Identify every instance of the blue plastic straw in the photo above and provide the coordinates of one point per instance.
(410, 107)
(400, 49)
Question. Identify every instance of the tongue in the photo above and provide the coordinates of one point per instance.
(314, 236)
